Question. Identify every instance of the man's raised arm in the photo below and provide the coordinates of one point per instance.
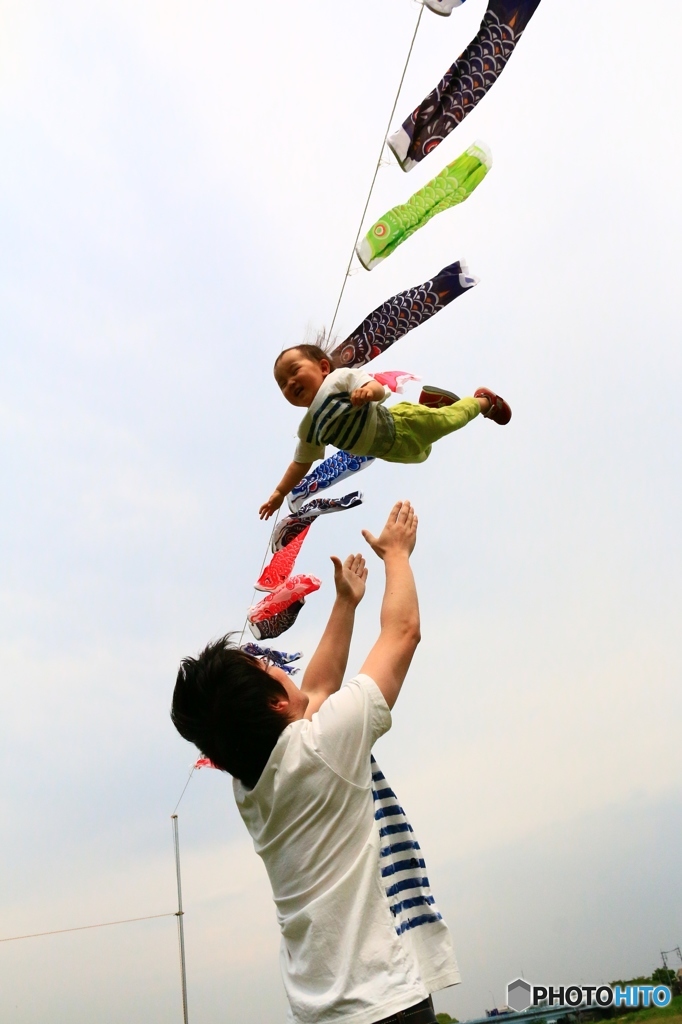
(324, 674)
(389, 659)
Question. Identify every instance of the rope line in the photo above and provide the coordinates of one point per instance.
(376, 169)
(343, 288)
(189, 779)
(246, 619)
(262, 566)
(86, 927)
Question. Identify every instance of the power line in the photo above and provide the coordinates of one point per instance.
(86, 927)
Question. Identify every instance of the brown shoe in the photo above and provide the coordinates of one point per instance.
(437, 398)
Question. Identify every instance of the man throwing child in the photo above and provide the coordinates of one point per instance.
(362, 939)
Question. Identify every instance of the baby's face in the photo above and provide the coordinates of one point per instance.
(300, 378)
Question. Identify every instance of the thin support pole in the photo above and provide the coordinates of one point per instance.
(180, 915)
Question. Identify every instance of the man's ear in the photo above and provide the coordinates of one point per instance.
(280, 705)
(325, 366)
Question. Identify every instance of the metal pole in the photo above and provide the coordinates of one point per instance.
(180, 914)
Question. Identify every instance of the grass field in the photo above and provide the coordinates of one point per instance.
(671, 1014)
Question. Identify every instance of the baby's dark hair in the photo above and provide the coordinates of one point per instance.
(317, 352)
(223, 703)
(314, 352)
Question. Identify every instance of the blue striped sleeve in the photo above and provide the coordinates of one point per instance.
(388, 812)
(407, 883)
(415, 901)
(392, 830)
(415, 922)
(402, 865)
(407, 844)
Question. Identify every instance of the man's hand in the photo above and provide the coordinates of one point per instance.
(269, 507)
(389, 659)
(350, 578)
(399, 535)
(324, 674)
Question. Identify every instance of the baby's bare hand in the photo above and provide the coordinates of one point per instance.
(361, 396)
(270, 506)
(399, 535)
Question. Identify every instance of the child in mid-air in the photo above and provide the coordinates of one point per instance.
(345, 409)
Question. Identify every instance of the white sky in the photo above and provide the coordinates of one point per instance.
(179, 190)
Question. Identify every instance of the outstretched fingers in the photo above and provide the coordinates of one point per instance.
(360, 567)
(349, 578)
(399, 533)
(356, 564)
(394, 514)
(406, 513)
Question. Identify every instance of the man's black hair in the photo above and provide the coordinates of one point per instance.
(223, 702)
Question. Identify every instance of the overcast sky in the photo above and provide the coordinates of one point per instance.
(180, 187)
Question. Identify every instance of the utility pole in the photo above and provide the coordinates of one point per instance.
(180, 915)
(665, 953)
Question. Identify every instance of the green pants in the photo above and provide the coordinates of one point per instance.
(417, 427)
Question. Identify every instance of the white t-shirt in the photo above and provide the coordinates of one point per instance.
(331, 419)
(361, 934)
